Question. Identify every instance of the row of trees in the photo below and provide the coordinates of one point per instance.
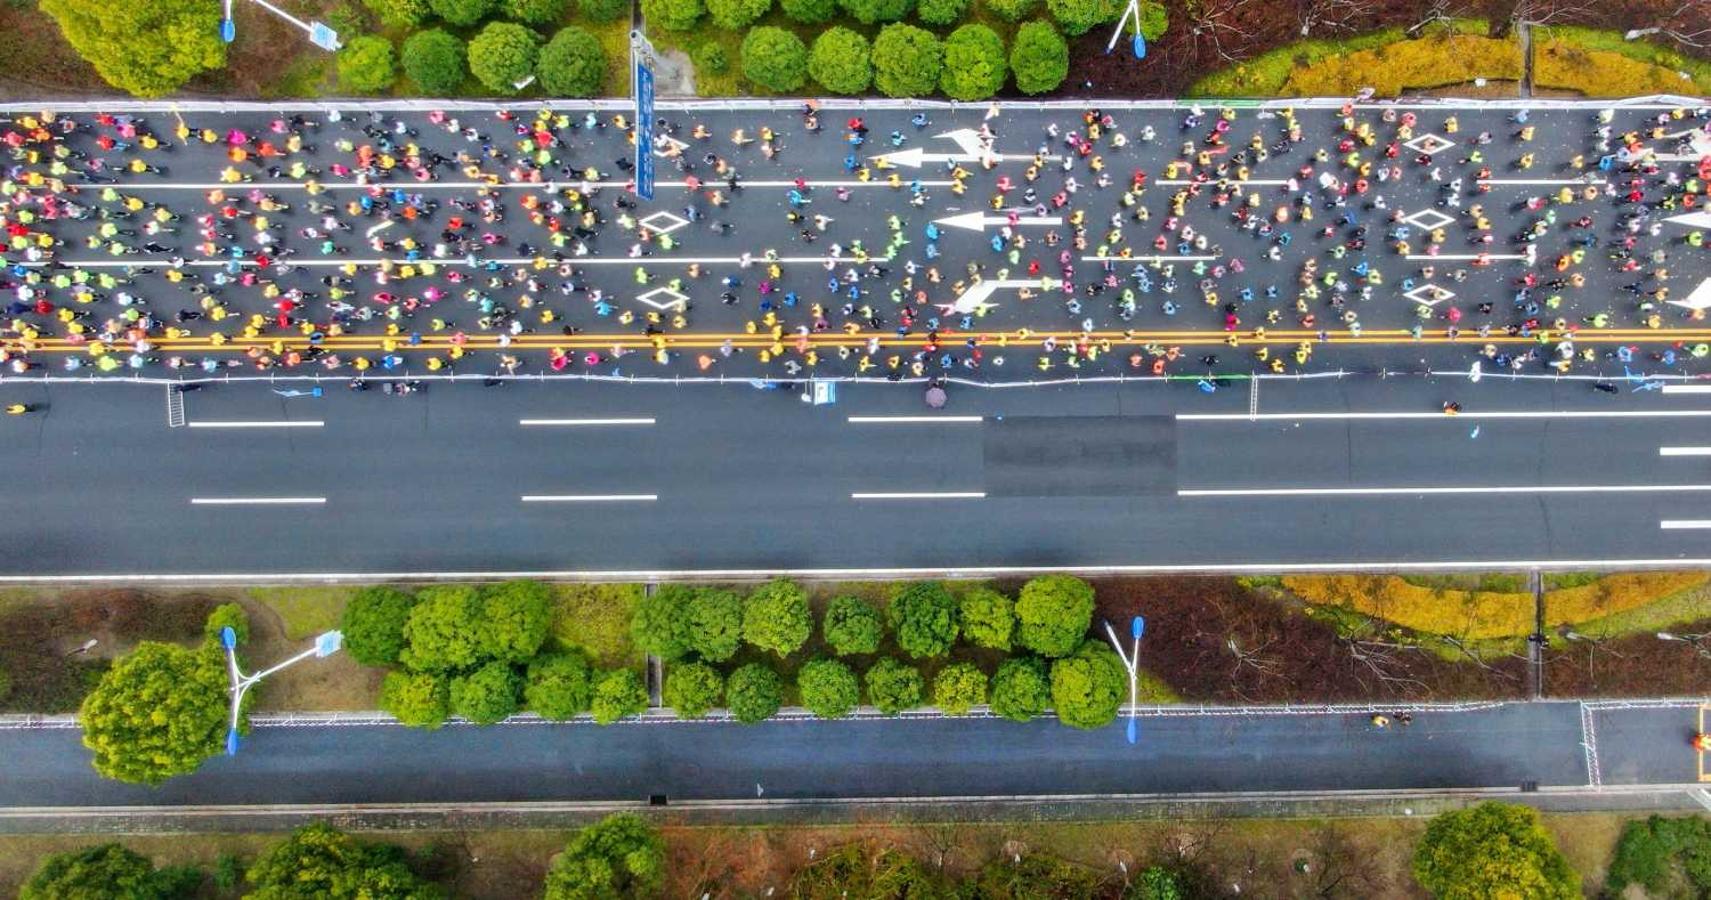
(467, 13)
(620, 856)
(501, 55)
(906, 61)
(480, 653)
(1076, 17)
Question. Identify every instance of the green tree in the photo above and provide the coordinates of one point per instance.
(776, 616)
(462, 13)
(1158, 883)
(840, 62)
(398, 13)
(1040, 58)
(1053, 614)
(373, 620)
(924, 618)
(906, 61)
(673, 15)
(988, 616)
(941, 12)
(416, 699)
(618, 693)
(228, 615)
(601, 10)
(809, 12)
(1155, 20)
(320, 862)
(1663, 856)
(1088, 686)
(516, 617)
(559, 685)
(959, 687)
(870, 12)
(736, 14)
(692, 689)
(1010, 10)
(487, 695)
(828, 688)
(715, 614)
(572, 64)
(433, 59)
(366, 65)
(619, 856)
(536, 12)
(503, 54)
(661, 623)
(709, 57)
(158, 712)
(148, 49)
(1493, 850)
(1078, 16)
(974, 63)
(1020, 688)
(97, 873)
(444, 630)
(774, 58)
(754, 693)
(851, 626)
(893, 686)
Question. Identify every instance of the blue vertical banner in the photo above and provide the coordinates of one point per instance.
(644, 129)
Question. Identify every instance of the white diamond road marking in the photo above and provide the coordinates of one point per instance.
(672, 298)
(675, 222)
(1430, 219)
(1429, 294)
(1430, 144)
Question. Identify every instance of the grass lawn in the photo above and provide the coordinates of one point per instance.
(1259, 855)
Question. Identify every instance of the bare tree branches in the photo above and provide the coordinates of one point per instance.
(1218, 27)
(1333, 16)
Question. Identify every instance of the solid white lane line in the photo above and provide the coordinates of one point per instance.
(262, 501)
(1499, 414)
(1684, 451)
(1431, 256)
(889, 420)
(415, 187)
(921, 495)
(589, 498)
(320, 263)
(576, 422)
(250, 424)
(1687, 388)
(1451, 489)
(1677, 524)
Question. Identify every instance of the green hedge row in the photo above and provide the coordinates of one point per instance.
(502, 54)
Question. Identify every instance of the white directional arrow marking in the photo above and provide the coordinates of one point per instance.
(1699, 299)
(969, 149)
(1692, 220)
(974, 221)
(975, 297)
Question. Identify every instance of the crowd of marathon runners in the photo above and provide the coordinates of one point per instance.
(809, 242)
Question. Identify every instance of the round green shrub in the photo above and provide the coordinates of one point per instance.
(536, 12)
(974, 63)
(869, 12)
(503, 54)
(852, 626)
(365, 65)
(433, 60)
(841, 61)
(940, 12)
(894, 686)
(418, 700)
(398, 13)
(228, 615)
(1010, 10)
(753, 693)
(672, 15)
(572, 64)
(710, 57)
(1040, 58)
(828, 688)
(736, 14)
(1020, 688)
(1155, 19)
(906, 61)
(487, 695)
(1078, 16)
(463, 13)
(809, 12)
(775, 59)
(958, 688)
(692, 688)
(602, 10)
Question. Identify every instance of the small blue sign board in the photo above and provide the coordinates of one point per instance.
(322, 35)
(329, 643)
(644, 130)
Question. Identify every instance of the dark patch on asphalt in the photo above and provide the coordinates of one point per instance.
(1079, 456)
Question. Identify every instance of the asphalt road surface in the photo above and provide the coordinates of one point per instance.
(1556, 744)
(997, 247)
(654, 480)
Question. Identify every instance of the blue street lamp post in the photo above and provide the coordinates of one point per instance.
(326, 644)
(1131, 662)
(320, 33)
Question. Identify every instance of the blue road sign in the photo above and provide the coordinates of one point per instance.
(644, 130)
(322, 35)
